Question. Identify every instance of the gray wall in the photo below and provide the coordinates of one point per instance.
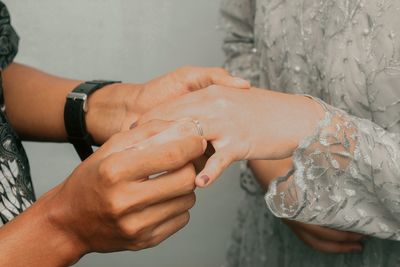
(133, 41)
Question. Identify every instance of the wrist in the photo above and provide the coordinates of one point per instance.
(305, 116)
(32, 239)
(69, 248)
(312, 114)
(267, 171)
(111, 110)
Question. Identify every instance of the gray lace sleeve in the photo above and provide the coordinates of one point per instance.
(345, 176)
(237, 19)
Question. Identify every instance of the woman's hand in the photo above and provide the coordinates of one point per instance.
(243, 124)
(325, 239)
(119, 106)
(109, 203)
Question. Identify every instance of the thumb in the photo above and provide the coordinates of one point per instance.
(205, 77)
(214, 167)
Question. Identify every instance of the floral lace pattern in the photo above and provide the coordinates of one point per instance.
(346, 53)
(340, 181)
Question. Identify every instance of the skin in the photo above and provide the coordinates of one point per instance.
(35, 100)
(108, 203)
(228, 119)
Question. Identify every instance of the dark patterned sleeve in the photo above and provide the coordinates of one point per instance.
(8, 38)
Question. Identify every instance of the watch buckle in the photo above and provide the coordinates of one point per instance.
(81, 96)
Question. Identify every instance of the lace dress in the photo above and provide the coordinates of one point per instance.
(16, 190)
(346, 54)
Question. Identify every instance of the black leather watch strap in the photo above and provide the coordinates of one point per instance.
(74, 116)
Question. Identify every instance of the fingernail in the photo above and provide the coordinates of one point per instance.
(133, 125)
(242, 82)
(205, 179)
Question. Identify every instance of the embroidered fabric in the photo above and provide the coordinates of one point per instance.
(346, 53)
(346, 176)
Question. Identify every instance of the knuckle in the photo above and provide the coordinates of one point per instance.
(189, 172)
(185, 219)
(107, 172)
(116, 204)
(133, 229)
(188, 177)
(196, 145)
(191, 200)
(175, 156)
(139, 244)
(138, 203)
(115, 138)
(154, 242)
(136, 246)
(113, 209)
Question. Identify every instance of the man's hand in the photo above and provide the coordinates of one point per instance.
(119, 106)
(109, 203)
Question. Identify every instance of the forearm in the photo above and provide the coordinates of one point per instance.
(35, 102)
(35, 105)
(267, 170)
(31, 240)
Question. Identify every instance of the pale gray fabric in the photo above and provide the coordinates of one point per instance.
(347, 175)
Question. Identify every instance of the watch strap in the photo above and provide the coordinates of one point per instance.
(74, 116)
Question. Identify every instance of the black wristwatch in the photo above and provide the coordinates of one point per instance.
(74, 116)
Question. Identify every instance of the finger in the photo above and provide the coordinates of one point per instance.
(211, 128)
(168, 229)
(214, 167)
(154, 215)
(331, 234)
(224, 79)
(203, 77)
(171, 111)
(329, 246)
(139, 163)
(200, 162)
(164, 187)
(177, 130)
(120, 141)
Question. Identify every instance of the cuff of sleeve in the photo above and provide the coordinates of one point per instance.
(287, 196)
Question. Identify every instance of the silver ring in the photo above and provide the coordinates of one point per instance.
(198, 127)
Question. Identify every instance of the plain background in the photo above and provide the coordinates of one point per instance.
(130, 40)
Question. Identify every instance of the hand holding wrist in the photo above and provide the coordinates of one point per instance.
(116, 107)
(112, 109)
